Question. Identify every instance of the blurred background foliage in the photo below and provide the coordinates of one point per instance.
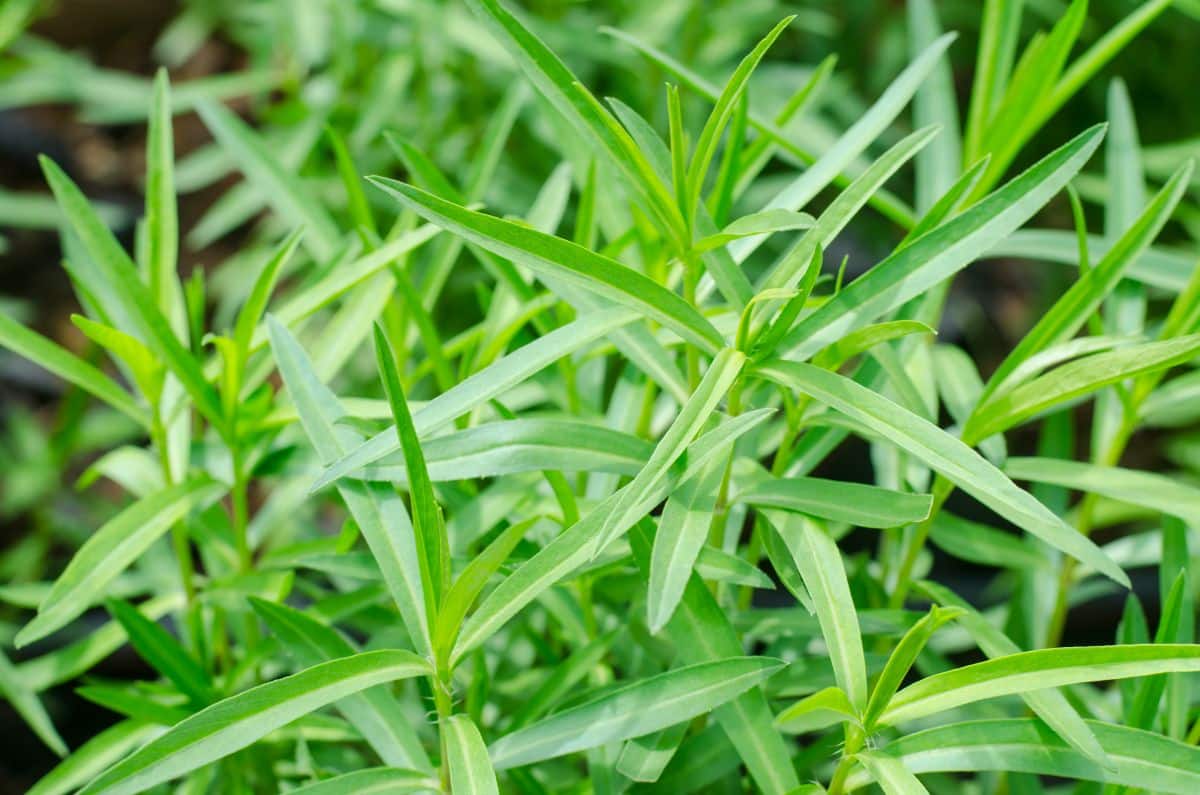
(75, 83)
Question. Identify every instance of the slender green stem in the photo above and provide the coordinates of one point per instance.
(914, 542)
(1087, 508)
(854, 743)
(440, 684)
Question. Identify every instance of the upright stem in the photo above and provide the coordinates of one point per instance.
(691, 277)
(914, 542)
(854, 742)
(179, 539)
(1087, 511)
(445, 708)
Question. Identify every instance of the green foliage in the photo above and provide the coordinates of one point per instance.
(493, 471)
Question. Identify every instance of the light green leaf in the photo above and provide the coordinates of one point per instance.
(484, 385)
(856, 503)
(761, 223)
(90, 759)
(891, 775)
(902, 658)
(1025, 745)
(942, 452)
(371, 781)
(467, 757)
(470, 583)
(129, 295)
(820, 564)
(279, 186)
(710, 135)
(521, 445)
(681, 534)
(239, 721)
(824, 708)
(1157, 492)
(577, 544)
(250, 315)
(377, 508)
(111, 549)
(375, 712)
(1073, 308)
(942, 252)
(25, 702)
(147, 372)
(162, 221)
(631, 711)
(692, 417)
(561, 259)
(644, 758)
(1035, 670)
(1075, 379)
(69, 367)
(1050, 705)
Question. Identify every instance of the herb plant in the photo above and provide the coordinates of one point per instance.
(570, 539)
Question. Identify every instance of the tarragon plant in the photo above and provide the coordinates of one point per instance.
(569, 538)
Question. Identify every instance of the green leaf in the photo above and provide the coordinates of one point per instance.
(69, 367)
(279, 186)
(902, 658)
(1026, 745)
(764, 222)
(111, 549)
(239, 721)
(130, 296)
(692, 417)
(1075, 379)
(942, 252)
(939, 164)
(377, 508)
(433, 548)
(578, 544)
(820, 564)
(147, 372)
(569, 97)
(470, 583)
(863, 339)
(25, 702)
(162, 221)
(1034, 670)
(636, 709)
(942, 452)
(371, 781)
(375, 712)
(644, 758)
(1050, 705)
(467, 757)
(521, 445)
(1157, 492)
(701, 632)
(891, 775)
(681, 534)
(825, 708)
(164, 653)
(710, 135)
(1072, 310)
(985, 545)
(855, 503)
(561, 259)
(91, 758)
(484, 385)
(251, 313)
